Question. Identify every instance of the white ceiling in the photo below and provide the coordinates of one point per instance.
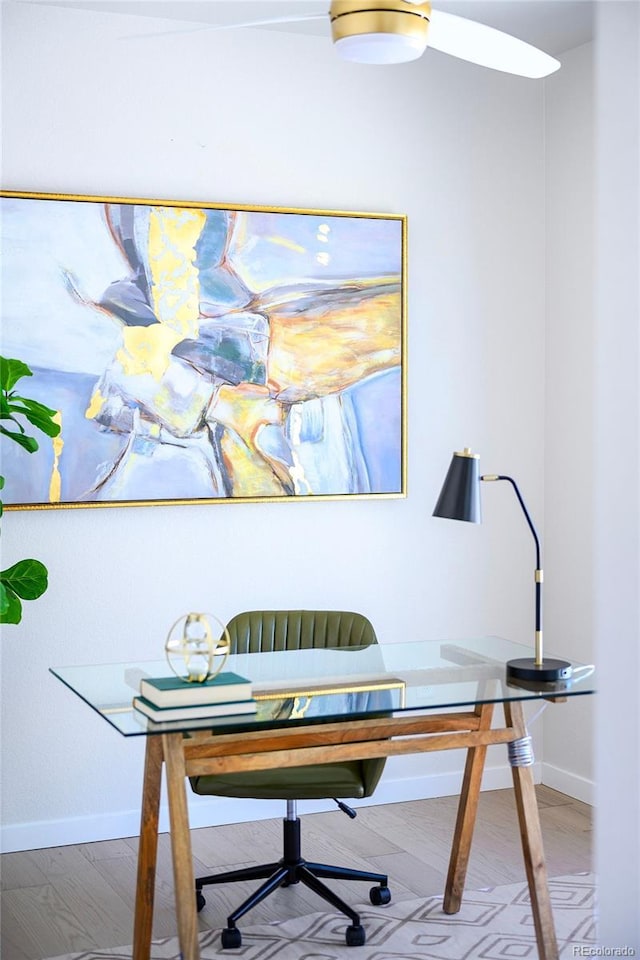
(552, 25)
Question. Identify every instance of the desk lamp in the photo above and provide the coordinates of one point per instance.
(460, 500)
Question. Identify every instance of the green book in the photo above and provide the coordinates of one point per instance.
(225, 687)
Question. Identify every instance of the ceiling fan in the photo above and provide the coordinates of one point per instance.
(396, 31)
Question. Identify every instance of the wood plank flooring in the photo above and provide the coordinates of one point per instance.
(73, 898)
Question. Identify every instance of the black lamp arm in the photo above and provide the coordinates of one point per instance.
(524, 510)
(538, 563)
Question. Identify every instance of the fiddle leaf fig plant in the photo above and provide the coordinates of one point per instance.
(26, 579)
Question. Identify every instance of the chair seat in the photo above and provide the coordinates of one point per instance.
(292, 783)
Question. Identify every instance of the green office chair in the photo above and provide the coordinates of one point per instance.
(257, 631)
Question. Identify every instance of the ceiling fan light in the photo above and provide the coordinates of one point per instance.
(379, 31)
(379, 48)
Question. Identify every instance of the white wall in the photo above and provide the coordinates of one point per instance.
(264, 118)
(569, 407)
(592, 442)
(616, 467)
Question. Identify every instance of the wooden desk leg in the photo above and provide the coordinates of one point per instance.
(466, 819)
(183, 878)
(148, 850)
(532, 847)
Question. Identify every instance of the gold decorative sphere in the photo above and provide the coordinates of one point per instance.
(195, 650)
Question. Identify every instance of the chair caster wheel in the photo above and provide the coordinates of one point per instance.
(200, 900)
(380, 896)
(231, 938)
(355, 935)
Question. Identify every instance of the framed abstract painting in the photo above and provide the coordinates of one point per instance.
(197, 352)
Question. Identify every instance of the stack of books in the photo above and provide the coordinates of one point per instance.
(169, 698)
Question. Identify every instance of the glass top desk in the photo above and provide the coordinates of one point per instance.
(323, 705)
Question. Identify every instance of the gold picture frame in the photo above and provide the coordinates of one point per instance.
(205, 352)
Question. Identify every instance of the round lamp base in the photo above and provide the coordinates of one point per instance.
(549, 671)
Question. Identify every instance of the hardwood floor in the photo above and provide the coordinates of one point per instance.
(73, 898)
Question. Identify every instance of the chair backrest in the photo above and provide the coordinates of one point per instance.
(256, 631)
(259, 630)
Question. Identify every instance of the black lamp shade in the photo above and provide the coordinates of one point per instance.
(460, 495)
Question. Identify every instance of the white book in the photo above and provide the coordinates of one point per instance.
(197, 712)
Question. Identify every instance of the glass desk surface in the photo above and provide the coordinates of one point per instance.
(320, 685)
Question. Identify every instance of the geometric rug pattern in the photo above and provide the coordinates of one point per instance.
(493, 924)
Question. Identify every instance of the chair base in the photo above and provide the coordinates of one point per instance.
(293, 868)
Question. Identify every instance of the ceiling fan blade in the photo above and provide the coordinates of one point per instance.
(267, 22)
(488, 47)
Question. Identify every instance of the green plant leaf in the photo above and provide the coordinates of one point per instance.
(4, 599)
(10, 606)
(11, 371)
(30, 444)
(27, 578)
(37, 414)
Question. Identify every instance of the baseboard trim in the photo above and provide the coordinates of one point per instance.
(580, 788)
(210, 811)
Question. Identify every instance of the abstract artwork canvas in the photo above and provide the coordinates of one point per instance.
(198, 352)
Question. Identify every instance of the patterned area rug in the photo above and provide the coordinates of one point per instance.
(493, 924)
